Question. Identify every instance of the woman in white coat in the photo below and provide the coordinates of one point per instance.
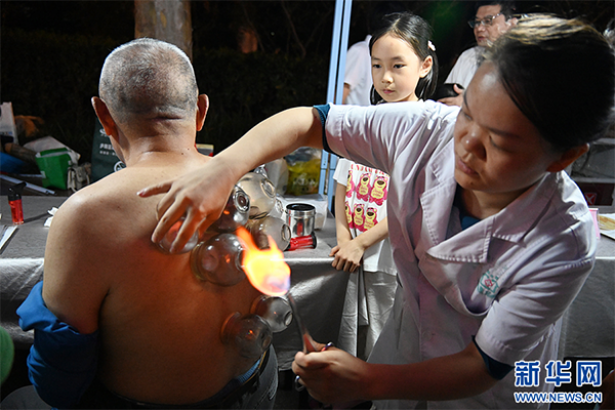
(491, 238)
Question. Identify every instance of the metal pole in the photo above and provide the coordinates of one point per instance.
(335, 89)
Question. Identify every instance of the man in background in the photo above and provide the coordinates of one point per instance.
(492, 19)
(119, 322)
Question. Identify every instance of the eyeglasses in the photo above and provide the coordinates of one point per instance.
(487, 21)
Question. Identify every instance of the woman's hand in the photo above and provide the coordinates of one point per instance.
(199, 197)
(347, 255)
(332, 375)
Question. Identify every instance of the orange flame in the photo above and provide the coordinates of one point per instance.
(265, 268)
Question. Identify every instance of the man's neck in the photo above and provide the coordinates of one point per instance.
(146, 143)
(151, 152)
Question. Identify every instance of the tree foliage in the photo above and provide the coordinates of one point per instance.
(52, 52)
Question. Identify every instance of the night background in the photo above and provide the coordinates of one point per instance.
(52, 52)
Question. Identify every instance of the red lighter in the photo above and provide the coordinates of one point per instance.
(301, 242)
(15, 203)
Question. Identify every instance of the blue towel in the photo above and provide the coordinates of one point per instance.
(62, 362)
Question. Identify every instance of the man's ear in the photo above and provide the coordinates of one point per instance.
(201, 111)
(102, 112)
(568, 158)
(426, 67)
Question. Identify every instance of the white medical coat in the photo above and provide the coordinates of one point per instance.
(506, 280)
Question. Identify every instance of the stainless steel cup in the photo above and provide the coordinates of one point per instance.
(300, 219)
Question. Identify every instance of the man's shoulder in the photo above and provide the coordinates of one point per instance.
(359, 49)
(104, 204)
(361, 44)
(113, 198)
(472, 52)
(99, 194)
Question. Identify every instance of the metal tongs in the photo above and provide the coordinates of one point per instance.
(306, 339)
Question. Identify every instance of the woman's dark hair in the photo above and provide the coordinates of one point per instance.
(415, 31)
(561, 75)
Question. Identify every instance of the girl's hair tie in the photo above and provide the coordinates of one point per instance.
(431, 46)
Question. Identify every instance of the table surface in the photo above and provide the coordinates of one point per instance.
(588, 327)
(30, 238)
(315, 284)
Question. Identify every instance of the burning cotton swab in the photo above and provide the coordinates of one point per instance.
(269, 273)
(265, 268)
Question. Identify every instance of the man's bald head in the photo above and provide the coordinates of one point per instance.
(148, 79)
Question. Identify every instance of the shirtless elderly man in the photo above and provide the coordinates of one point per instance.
(156, 327)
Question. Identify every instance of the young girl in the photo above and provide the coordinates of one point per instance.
(403, 61)
(491, 237)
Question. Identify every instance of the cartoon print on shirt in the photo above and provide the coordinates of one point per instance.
(378, 193)
(363, 197)
(349, 185)
(364, 187)
(359, 217)
(371, 218)
(349, 215)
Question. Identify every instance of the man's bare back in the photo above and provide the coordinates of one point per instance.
(118, 321)
(159, 325)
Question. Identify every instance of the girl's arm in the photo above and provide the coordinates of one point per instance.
(334, 376)
(374, 235)
(201, 196)
(342, 231)
(348, 254)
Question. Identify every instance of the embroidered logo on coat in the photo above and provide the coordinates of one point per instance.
(488, 285)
